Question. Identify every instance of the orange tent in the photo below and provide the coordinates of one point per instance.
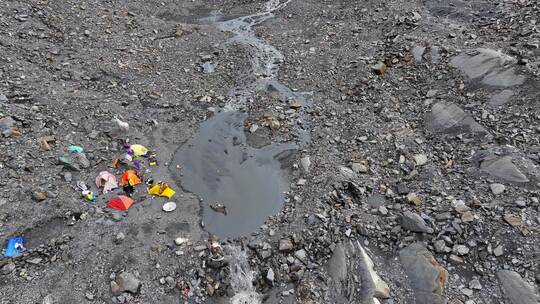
(120, 202)
(130, 177)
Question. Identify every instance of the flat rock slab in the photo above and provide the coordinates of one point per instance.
(517, 290)
(426, 276)
(446, 117)
(491, 67)
(503, 168)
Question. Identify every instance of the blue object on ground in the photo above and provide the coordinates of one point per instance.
(15, 247)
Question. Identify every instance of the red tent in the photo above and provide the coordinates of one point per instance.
(120, 202)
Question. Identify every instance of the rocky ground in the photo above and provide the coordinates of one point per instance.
(415, 178)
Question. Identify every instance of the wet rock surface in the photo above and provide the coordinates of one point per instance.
(415, 125)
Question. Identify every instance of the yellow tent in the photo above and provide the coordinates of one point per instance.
(162, 189)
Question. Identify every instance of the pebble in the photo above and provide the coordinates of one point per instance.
(285, 245)
(379, 68)
(359, 168)
(440, 246)
(475, 284)
(39, 196)
(414, 199)
(180, 240)
(305, 162)
(8, 268)
(461, 249)
(466, 291)
(414, 222)
(301, 255)
(125, 282)
(497, 189)
(119, 237)
(89, 296)
(498, 251)
(420, 159)
(347, 173)
(270, 276)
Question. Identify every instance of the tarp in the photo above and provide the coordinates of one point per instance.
(15, 247)
(120, 202)
(76, 149)
(162, 189)
(130, 177)
(107, 181)
(138, 150)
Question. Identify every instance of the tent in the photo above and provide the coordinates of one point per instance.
(130, 177)
(120, 202)
(162, 189)
(138, 150)
(107, 181)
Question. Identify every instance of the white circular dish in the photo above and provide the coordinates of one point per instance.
(169, 207)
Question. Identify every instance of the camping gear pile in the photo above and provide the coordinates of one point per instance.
(130, 169)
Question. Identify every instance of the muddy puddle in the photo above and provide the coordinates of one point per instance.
(240, 186)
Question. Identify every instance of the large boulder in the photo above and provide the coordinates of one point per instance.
(426, 276)
(490, 67)
(516, 290)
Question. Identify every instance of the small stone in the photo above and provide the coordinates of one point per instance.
(68, 177)
(44, 145)
(305, 162)
(347, 173)
(125, 282)
(285, 245)
(468, 292)
(295, 104)
(420, 159)
(521, 203)
(497, 189)
(440, 246)
(40, 196)
(8, 268)
(48, 299)
(270, 276)
(34, 261)
(383, 210)
(170, 281)
(431, 93)
(461, 249)
(513, 220)
(274, 124)
(180, 241)
(119, 238)
(467, 217)
(414, 199)
(200, 248)
(498, 251)
(455, 259)
(301, 255)
(89, 296)
(253, 128)
(414, 222)
(475, 284)
(359, 168)
(379, 68)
